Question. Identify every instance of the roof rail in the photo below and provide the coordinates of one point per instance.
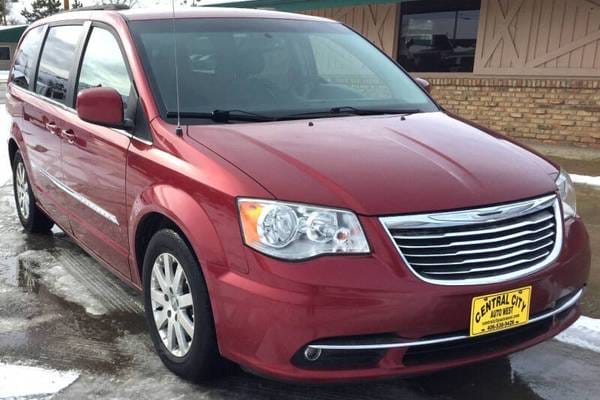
(102, 7)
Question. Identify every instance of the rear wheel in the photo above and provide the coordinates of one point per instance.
(178, 309)
(33, 219)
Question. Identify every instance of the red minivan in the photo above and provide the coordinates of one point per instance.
(287, 197)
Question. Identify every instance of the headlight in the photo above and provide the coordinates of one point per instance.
(567, 194)
(298, 231)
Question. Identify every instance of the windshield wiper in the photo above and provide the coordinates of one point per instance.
(368, 111)
(223, 116)
(348, 110)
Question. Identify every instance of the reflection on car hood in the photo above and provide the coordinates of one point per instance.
(381, 165)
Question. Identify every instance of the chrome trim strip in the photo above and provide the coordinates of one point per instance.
(494, 268)
(533, 221)
(482, 241)
(473, 216)
(395, 345)
(79, 197)
(479, 251)
(542, 202)
(143, 141)
(482, 260)
(58, 104)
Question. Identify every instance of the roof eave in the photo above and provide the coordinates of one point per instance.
(299, 5)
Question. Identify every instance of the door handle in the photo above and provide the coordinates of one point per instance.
(69, 135)
(51, 127)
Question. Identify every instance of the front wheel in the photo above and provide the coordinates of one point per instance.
(177, 307)
(33, 219)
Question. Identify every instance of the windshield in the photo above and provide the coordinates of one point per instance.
(271, 67)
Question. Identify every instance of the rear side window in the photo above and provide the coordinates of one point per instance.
(56, 61)
(103, 65)
(24, 67)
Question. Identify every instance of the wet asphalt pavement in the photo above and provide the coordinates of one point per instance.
(61, 310)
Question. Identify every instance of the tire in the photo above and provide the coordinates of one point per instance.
(199, 360)
(33, 219)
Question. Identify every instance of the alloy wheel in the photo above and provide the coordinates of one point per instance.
(22, 188)
(172, 304)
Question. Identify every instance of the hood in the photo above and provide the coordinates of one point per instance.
(381, 165)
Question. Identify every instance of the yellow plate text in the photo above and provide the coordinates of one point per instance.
(499, 311)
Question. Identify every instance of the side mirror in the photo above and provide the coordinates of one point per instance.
(424, 84)
(102, 106)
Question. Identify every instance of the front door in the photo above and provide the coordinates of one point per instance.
(94, 158)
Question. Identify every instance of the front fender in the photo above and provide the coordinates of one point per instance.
(211, 245)
(196, 190)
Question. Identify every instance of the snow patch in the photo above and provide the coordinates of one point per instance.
(8, 325)
(584, 333)
(60, 282)
(586, 180)
(18, 381)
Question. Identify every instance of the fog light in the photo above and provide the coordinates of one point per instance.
(312, 354)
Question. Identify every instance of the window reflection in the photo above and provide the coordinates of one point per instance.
(440, 38)
(103, 65)
(56, 61)
(271, 67)
(24, 62)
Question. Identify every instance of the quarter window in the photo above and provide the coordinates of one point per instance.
(56, 62)
(438, 36)
(103, 65)
(25, 60)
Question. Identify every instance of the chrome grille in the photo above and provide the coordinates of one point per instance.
(484, 245)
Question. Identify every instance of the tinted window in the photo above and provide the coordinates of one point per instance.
(24, 66)
(272, 67)
(103, 65)
(439, 37)
(56, 61)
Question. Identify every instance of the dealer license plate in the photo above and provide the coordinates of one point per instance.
(499, 311)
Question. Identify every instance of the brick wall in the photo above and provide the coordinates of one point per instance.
(559, 111)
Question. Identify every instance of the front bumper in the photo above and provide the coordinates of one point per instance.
(562, 306)
(266, 320)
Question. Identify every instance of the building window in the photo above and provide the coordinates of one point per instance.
(438, 36)
(4, 53)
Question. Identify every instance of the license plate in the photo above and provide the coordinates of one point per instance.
(499, 311)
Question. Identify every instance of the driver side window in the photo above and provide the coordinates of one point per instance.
(103, 65)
